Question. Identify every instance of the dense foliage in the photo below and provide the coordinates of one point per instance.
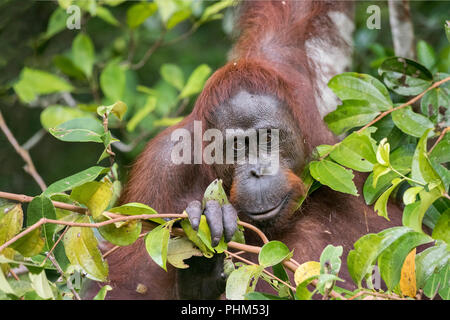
(395, 126)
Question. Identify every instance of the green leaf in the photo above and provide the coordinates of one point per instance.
(381, 204)
(215, 191)
(410, 195)
(118, 109)
(53, 116)
(81, 249)
(425, 54)
(40, 284)
(411, 123)
(156, 243)
(67, 66)
(83, 53)
(360, 260)
(178, 17)
(239, 281)
(434, 104)
(106, 15)
(421, 169)
(79, 130)
(358, 86)
(383, 152)
(29, 245)
(330, 259)
(11, 219)
(414, 213)
(138, 116)
(334, 176)
(138, 13)
(56, 23)
(441, 152)
(391, 259)
(442, 228)
(64, 3)
(261, 296)
(192, 236)
(134, 208)
(166, 9)
(125, 234)
(167, 122)
(215, 8)
(350, 114)
(324, 149)
(4, 285)
(302, 292)
(112, 81)
(196, 81)
(368, 248)
(387, 129)
(102, 293)
(357, 151)
(113, 3)
(326, 281)
(42, 207)
(180, 249)
(434, 283)
(273, 253)
(94, 195)
(405, 77)
(36, 82)
(75, 180)
(400, 159)
(444, 288)
(430, 261)
(173, 75)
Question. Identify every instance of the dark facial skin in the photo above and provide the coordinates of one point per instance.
(262, 199)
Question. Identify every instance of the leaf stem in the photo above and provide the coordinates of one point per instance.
(405, 177)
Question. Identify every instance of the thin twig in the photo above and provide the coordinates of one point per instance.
(291, 264)
(115, 216)
(182, 36)
(255, 229)
(416, 98)
(54, 246)
(264, 270)
(107, 253)
(149, 52)
(441, 136)
(61, 272)
(376, 294)
(87, 224)
(112, 155)
(14, 275)
(385, 113)
(30, 143)
(29, 167)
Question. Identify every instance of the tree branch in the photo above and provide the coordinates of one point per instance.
(416, 98)
(29, 167)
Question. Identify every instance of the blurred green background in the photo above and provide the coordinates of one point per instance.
(33, 35)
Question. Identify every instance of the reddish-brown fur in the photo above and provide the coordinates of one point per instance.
(268, 58)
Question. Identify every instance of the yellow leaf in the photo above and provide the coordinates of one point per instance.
(306, 270)
(94, 195)
(408, 275)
